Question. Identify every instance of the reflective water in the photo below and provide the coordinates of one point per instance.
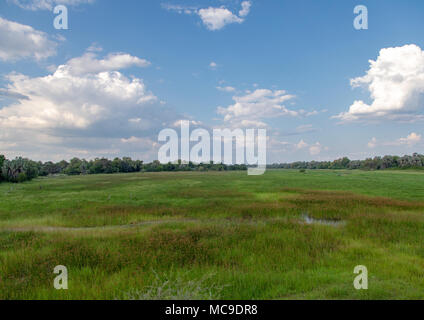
(334, 223)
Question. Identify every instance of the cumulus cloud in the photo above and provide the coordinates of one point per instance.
(411, 139)
(19, 41)
(101, 112)
(78, 93)
(10, 94)
(214, 18)
(70, 101)
(88, 63)
(257, 105)
(217, 18)
(396, 84)
(47, 4)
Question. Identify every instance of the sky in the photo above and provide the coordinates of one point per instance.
(125, 70)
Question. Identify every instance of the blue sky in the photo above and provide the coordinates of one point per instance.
(132, 68)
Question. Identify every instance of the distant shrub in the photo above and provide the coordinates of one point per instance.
(302, 170)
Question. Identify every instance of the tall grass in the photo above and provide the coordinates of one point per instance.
(248, 232)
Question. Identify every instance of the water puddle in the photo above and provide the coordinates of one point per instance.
(326, 222)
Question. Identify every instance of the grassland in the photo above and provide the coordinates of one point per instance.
(214, 235)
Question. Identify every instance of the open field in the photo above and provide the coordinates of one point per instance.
(214, 235)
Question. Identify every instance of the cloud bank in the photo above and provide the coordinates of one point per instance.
(99, 112)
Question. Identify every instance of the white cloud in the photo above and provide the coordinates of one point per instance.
(179, 8)
(373, 143)
(88, 63)
(94, 48)
(226, 89)
(213, 65)
(411, 140)
(253, 124)
(301, 145)
(257, 105)
(47, 4)
(67, 112)
(65, 100)
(19, 41)
(217, 18)
(177, 124)
(140, 141)
(306, 113)
(214, 18)
(396, 84)
(135, 120)
(245, 8)
(315, 149)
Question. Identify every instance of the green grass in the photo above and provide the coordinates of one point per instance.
(222, 235)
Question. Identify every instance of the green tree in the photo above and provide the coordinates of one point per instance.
(2, 159)
(74, 167)
(19, 170)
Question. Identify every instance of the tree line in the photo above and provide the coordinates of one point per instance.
(415, 161)
(22, 169)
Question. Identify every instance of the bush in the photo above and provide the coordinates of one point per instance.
(22, 177)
